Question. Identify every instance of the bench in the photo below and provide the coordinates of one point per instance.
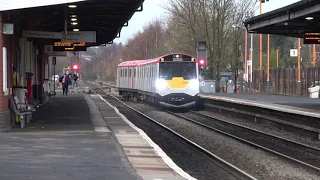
(21, 112)
(34, 102)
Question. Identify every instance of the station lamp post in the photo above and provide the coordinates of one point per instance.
(246, 70)
(268, 73)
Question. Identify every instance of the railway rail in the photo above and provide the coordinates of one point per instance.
(302, 125)
(203, 164)
(297, 152)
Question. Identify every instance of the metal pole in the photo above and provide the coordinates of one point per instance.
(66, 21)
(314, 65)
(299, 75)
(54, 83)
(268, 66)
(245, 51)
(277, 58)
(260, 51)
(251, 49)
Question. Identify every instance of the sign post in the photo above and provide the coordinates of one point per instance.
(249, 63)
(54, 62)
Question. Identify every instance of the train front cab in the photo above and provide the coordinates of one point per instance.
(178, 81)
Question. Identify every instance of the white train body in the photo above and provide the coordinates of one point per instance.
(171, 80)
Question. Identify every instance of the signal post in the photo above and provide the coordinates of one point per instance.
(202, 57)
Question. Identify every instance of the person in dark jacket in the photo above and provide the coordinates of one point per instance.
(75, 78)
(65, 80)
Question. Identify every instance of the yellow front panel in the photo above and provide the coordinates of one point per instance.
(177, 83)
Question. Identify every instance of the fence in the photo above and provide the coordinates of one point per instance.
(284, 81)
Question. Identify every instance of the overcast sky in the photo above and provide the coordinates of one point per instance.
(153, 9)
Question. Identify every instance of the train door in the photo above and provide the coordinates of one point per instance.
(118, 77)
(150, 78)
(129, 77)
(134, 78)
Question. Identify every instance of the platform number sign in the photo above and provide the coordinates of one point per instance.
(294, 52)
(54, 60)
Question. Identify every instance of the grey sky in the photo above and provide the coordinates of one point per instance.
(152, 9)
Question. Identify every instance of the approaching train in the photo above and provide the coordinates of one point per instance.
(171, 80)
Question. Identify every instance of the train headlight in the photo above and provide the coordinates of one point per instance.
(194, 84)
(161, 84)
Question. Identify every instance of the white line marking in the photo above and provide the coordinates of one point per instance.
(112, 117)
(101, 129)
(157, 149)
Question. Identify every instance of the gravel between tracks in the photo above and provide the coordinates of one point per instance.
(260, 164)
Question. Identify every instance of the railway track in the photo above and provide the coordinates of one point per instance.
(299, 153)
(202, 164)
(304, 126)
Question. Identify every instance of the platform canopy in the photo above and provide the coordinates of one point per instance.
(106, 17)
(293, 20)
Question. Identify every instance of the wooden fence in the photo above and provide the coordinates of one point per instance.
(283, 81)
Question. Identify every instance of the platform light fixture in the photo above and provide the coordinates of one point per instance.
(73, 16)
(74, 23)
(309, 18)
(72, 6)
(76, 30)
(74, 19)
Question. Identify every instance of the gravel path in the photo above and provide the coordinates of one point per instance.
(260, 164)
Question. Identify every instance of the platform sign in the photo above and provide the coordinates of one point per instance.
(48, 49)
(311, 38)
(80, 36)
(245, 77)
(69, 46)
(293, 52)
(225, 74)
(42, 34)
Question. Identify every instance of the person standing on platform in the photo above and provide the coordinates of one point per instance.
(65, 80)
(75, 78)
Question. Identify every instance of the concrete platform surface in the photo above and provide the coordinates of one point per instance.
(61, 144)
(82, 137)
(290, 104)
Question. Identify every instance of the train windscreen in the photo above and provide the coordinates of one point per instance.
(168, 70)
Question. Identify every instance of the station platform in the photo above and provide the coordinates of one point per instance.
(291, 104)
(80, 136)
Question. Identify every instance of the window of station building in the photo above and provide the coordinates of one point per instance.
(134, 72)
(129, 72)
(125, 73)
(121, 73)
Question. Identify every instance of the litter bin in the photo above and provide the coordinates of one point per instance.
(229, 86)
(208, 86)
(314, 92)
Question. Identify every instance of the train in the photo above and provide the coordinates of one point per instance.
(171, 80)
